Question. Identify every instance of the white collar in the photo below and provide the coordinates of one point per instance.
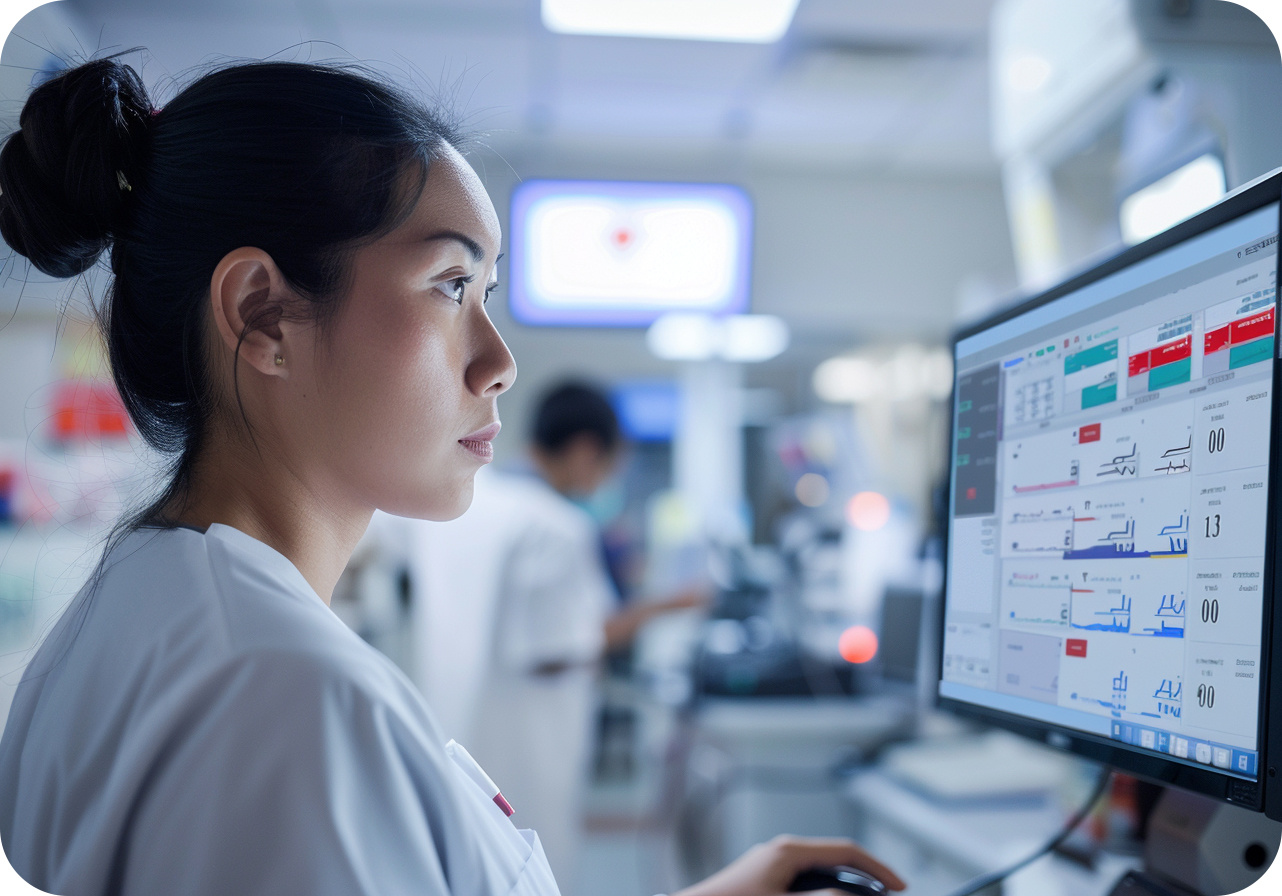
(262, 554)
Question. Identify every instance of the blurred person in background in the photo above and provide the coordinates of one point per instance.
(512, 668)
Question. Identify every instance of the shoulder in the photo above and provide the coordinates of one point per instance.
(188, 691)
(178, 612)
(314, 697)
(295, 767)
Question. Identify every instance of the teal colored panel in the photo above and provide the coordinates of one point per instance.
(1170, 374)
(1251, 352)
(1094, 396)
(1096, 354)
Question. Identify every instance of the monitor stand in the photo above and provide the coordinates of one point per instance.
(1197, 846)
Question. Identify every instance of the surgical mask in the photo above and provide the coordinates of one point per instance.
(604, 504)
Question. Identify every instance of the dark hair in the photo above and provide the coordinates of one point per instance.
(307, 162)
(572, 409)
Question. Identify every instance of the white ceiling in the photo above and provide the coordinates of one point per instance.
(858, 83)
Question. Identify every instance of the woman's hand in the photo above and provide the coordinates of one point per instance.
(768, 868)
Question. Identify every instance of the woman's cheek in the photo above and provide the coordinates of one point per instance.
(427, 407)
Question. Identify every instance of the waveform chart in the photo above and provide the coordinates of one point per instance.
(1124, 678)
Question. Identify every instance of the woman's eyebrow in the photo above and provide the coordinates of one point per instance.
(470, 244)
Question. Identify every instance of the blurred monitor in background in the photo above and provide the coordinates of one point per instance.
(900, 640)
(622, 254)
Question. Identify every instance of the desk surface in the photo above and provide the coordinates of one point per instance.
(790, 732)
(948, 844)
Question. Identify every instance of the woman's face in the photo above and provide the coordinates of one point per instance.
(412, 366)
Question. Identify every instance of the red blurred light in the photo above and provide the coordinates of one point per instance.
(868, 511)
(858, 644)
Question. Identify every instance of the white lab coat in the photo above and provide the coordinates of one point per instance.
(203, 724)
(516, 582)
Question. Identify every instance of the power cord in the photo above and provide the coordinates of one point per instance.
(986, 880)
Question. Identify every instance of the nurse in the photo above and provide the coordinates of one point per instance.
(296, 318)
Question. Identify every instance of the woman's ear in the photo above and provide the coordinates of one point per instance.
(247, 295)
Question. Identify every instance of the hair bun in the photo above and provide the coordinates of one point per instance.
(82, 138)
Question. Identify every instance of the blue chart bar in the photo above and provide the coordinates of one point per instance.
(1170, 619)
(1121, 543)
(1115, 619)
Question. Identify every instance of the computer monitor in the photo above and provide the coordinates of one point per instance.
(1112, 537)
(625, 253)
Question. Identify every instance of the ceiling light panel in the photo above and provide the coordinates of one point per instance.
(746, 21)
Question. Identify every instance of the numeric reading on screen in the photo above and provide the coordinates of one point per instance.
(1110, 478)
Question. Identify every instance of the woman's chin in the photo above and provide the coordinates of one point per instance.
(438, 507)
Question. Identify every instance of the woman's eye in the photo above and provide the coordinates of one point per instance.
(456, 289)
(488, 290)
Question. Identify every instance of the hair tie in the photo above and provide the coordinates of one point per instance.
(155, 112)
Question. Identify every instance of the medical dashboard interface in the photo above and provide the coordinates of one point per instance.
(1107, 531)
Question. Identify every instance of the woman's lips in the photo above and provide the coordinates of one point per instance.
(479, 447)
(479, 442)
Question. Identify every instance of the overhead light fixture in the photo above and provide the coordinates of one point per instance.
(906, 373)
(682, 336)
(745, 21)
(752, 337)
(848, 380)
(1182, 193)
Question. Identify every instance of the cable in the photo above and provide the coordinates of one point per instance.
(985, 880)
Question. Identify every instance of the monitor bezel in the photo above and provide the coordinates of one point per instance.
(1262, 795)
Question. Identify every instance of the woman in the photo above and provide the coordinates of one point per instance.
(301, 259)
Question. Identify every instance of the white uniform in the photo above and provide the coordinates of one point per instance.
(203, 724)
(518, 581)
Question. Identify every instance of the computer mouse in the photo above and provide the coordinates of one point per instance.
(842, 878)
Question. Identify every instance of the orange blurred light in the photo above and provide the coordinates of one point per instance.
(812, 490)
(868, 511)
(858, 644)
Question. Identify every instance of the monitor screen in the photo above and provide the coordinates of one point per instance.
(614, 253)
(648, 410)
(1106, 571)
